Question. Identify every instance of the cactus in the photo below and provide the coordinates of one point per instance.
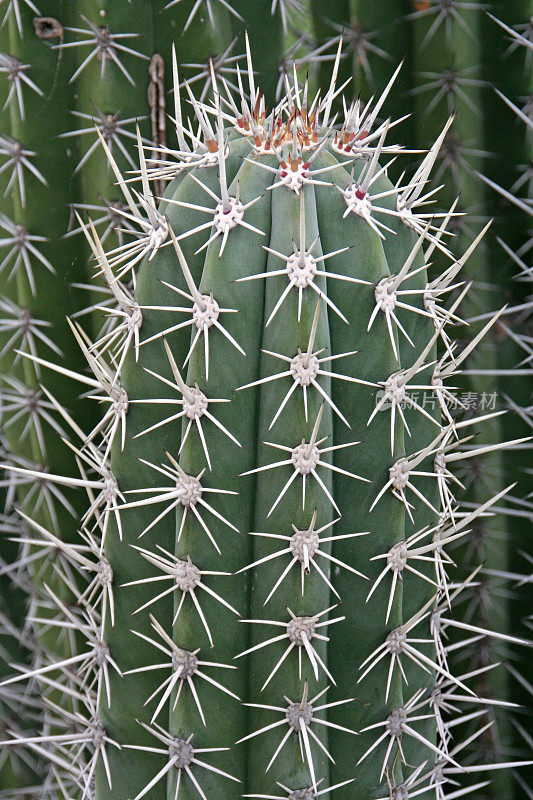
(38, 167)
(263, 579)
(509, 199)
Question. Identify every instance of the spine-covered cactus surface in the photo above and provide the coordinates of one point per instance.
(457, 61)
(268, 592)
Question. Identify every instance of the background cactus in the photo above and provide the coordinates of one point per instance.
(37, 172)
(259, 484)
(512, 90)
